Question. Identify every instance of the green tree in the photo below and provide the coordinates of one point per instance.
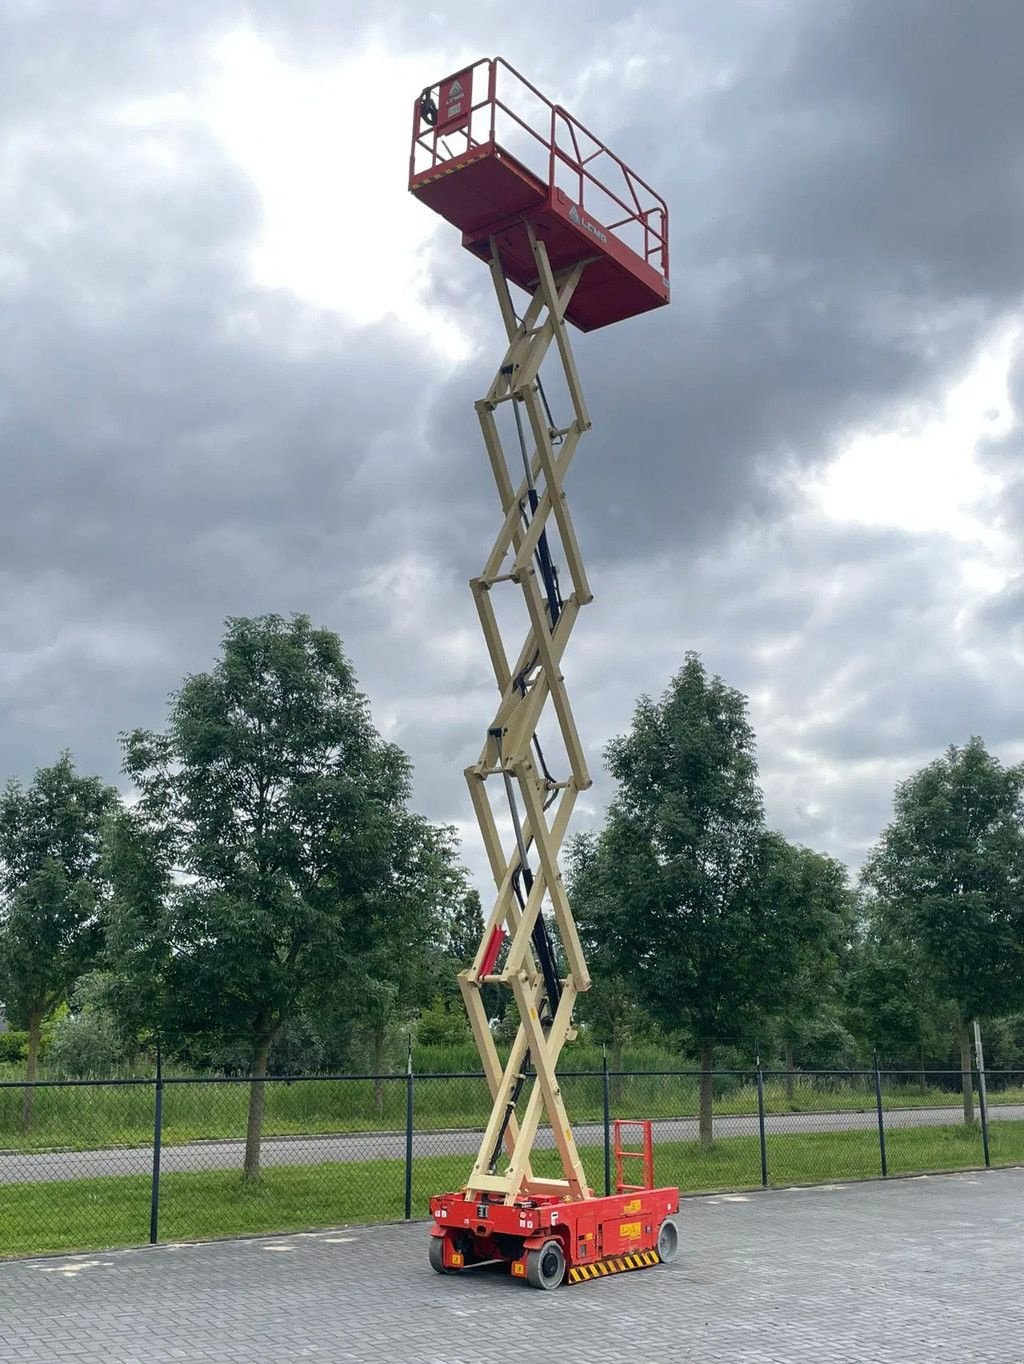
(1004, 1044)
(52, 888)
(609, 1008)
(382, 1011)
(86, 1042)
(703, 911)
(890, 1003)
(271, 852)
(465, 927)
(810, 1014)
(441, 1025)
(400, 971)
(949, 876)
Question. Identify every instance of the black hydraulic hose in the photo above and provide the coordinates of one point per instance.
(539, 936)
(510, 1108)
(548, 573)
(545, 950)
(519, 682)
(543, 946)
(517, 1088)
(555, 440)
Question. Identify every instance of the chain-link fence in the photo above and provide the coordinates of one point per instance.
(88, 1164)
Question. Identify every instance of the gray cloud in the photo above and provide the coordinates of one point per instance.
(846, 185)
(846, 198)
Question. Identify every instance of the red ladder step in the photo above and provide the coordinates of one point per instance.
(621, 1154)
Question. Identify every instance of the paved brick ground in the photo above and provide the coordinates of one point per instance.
(920, 1270)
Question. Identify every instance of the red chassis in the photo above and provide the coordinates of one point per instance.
(546, 1239)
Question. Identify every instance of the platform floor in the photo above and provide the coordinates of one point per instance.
(928, 1269)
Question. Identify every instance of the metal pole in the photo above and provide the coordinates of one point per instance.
(760, 1125)
(607, 1121)
(408, 1134)
(881, 1119)
(158, 1123)
(982, 1093)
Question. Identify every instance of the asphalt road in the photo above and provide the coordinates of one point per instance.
(915, 1271)
(18, 1167)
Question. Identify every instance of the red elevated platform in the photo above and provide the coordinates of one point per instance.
(491, 154)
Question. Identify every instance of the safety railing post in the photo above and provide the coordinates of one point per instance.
(606, 1086)
(408, 1133)
(760, 1125)
(982, 1094)
(158, 1124)
(553, 133)
(881, 1118)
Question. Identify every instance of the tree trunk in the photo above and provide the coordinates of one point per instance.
(616, 1060)
(922, 1079)
(966, 1077)
(379, 1040)
(254, 1129)
(707, 1060)
(787, 1066)
(35, 1029)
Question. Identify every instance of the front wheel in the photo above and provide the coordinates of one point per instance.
(545, 1267)
(668, 1241)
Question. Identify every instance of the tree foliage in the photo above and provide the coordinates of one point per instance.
(808, 1017)
(52, 888)
(271, 855)
(465, 927)
(698, 906)
(948, 874)
(611, 1010)
(890, 1002)
(86, 1042)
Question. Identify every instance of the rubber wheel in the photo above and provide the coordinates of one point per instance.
(545, 1266)
(437, 1263)
(668, 1241)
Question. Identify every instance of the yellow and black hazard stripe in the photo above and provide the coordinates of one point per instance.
(617, 1264)
(447, 169)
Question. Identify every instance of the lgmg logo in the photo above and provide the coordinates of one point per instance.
(576, 217)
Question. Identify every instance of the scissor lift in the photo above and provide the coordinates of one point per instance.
(549, 209)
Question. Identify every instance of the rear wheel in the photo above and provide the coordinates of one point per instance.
(437, 1263)
(545, 1266)
(668, 1241)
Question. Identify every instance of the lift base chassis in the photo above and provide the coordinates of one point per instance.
(596, 1236)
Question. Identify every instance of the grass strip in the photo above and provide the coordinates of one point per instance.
(95, 1214)
(105, 1116)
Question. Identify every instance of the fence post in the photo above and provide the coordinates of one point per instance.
(881, 1119)
(607, 1120)
(158, 1124)
(408, 1134)
(760, 1125)
(982, 1093)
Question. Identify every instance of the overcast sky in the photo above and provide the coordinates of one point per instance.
(238, 364)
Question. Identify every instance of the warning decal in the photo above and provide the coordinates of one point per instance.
(618, 1264)
(456, 102)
